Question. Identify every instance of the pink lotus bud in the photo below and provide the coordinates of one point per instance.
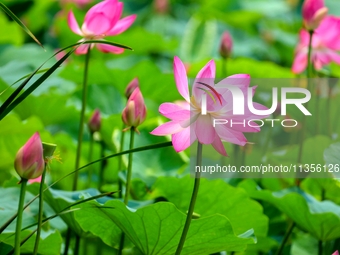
(95, 121)
(135, 111)
(313, 12)
(161, 6)
(131, 87)
(336, 253)
(226, 45)
(29, 162)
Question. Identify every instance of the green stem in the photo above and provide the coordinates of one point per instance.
(317, 113)
(40, 214)
(236, 156)
(90, 159)
(19, 218)
(267, 142)
(309, 75)
(129, 170)
(120, 162)
(77, 245)
(192, 201)
(320, 248)
(67, 241)
(320, 244)
(102, 165)
(128, 184)
(82, 118)
(224, 67)
(285, 238)
(328, 112)
(121, 244)
(309, 63)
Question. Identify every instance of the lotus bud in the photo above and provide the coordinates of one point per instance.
(135, 111)
(161, 6)
(95, 121)
(131, 87)
(29, 162)
(313, 12)
(226, 45)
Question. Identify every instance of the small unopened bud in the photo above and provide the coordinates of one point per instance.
(135, 111)
(226, 45)
(161, 6)
(29, 161)
(95, 121)
(131, 87)
(313, 12)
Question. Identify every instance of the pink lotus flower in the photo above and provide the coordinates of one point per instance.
(336, 253)
(100, 21)
(131, 87)
(325, 44)
(95, 122)
(313, 12)
(135, 111)
(226, 45)
(188, 124)
(29, 162)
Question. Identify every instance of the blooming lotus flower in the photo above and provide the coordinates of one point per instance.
(135, 111)
(325, 44)
(100, 21)
(313, 12)
(226, 45)
(29, 162)
(188, 124)
(131, 87)
(95, 122)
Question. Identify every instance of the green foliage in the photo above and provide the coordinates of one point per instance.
(156, 229)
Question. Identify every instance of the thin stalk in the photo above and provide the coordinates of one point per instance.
(129, 170)
(82, 118)
(40, 214)
(320, 248)
(102, 165)
(309, 75)
(67, 241)
(320, 244)
(192, 201)
(120, 163)
(19, 218)
(267, 142)
(224, 67)
(128, 184)
(77, 245)
(285, 238)
(80, 134)
(121, 244)
(317, 112)
(90, 159)
(328, 112)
